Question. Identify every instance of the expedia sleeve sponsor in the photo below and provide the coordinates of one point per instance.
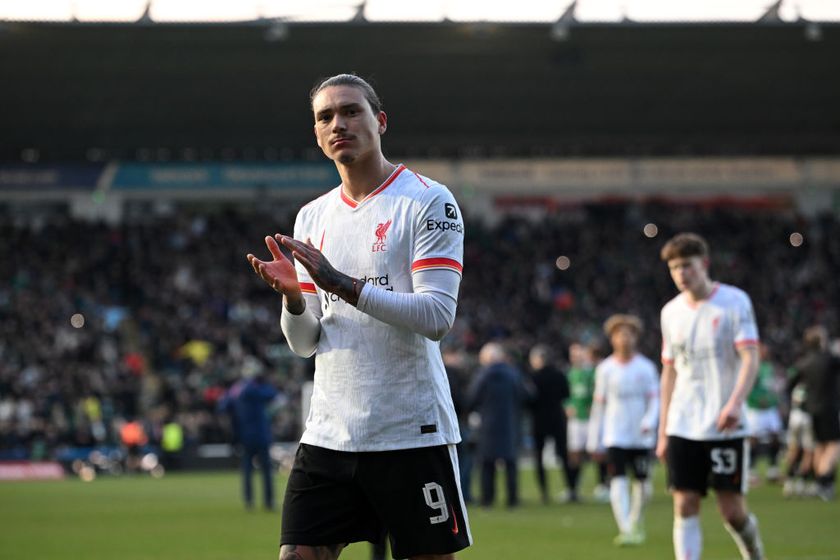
(449, 220)
(440, 225)
(439, 234)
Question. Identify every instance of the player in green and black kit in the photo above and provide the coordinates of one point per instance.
(581, 376)
(763, 417)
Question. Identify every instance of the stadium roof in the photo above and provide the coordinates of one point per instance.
(176, 91)
(432, 10)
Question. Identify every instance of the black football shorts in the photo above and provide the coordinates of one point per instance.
(826, 426)
(620, 458)
(698, 465)
(412, 495)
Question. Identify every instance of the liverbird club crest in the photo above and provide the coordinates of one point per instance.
(381, 233)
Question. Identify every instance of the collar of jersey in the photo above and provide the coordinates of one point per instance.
(353, 204)
(709, 297)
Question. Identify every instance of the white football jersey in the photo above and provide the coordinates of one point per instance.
(629, 393)
(377, 386)
(702, 342)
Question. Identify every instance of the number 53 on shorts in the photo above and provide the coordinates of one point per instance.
(699, 465)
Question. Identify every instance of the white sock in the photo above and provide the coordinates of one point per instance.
(620, 501)
(748, 539)
(638, 497)
(688, 540)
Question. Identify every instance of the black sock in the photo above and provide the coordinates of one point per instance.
(572, 476)
(755, 454)
(793, 468)
(602, 473)
(773, 453)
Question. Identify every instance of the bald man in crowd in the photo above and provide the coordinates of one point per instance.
(497, 394)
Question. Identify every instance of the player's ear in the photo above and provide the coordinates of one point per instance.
(382, 118)
(315, 132)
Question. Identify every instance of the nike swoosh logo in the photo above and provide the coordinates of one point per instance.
(454, 521)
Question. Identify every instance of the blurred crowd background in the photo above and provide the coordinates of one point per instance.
(154, 318)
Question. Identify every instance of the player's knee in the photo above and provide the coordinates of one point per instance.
(291, 553)
(732, 510)
(686, 504)
(733, 517)
(294, 552)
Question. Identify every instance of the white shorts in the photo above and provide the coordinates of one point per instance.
(800, 430)
(577, 433)
(763, 422)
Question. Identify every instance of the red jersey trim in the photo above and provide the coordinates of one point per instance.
(439, 262)
(419, 178)
(353, 204)
(307, 288)
(745, 343)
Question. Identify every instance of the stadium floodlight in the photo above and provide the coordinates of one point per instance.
(30, 155)
(773, 13)
(813, 31)
(561, 28)
(95, 154)
(277, 30)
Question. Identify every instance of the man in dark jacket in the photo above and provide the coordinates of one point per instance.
(497, 394)
(246, 403)
(820, 371)
(549, 416)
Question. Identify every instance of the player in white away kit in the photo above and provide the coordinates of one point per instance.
(374, 289)
(625, 412)
(710, 360)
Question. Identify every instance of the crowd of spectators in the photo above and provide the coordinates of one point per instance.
(165, 309)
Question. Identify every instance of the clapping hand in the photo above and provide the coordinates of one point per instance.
(278, 273)
(320, 270)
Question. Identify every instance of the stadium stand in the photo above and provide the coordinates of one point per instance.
(170, 308)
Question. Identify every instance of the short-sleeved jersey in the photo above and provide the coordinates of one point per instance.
(377, 386)
(702, 341)
(581, 388)
(626, 390)
(764, 393)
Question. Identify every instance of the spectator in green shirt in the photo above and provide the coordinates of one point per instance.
(581, 376)
(763, 416)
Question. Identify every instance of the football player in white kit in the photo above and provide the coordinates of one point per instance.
(625, 412)
(710, 361)
(374, 289)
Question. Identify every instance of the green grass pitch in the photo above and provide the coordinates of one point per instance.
(199, 516)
